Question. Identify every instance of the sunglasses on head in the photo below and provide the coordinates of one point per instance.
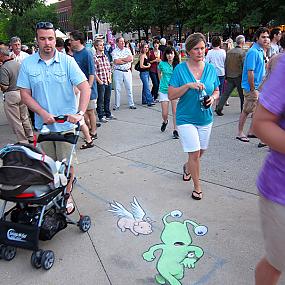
(44, 25)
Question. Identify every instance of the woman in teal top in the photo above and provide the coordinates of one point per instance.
(191, 82)
(169, 61)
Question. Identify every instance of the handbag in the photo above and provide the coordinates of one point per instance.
(137, 66)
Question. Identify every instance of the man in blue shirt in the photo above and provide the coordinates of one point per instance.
(252, 75)
(84, 59)
(46, 80)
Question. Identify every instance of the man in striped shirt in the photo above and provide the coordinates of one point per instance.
(104, 81)
(123, 59)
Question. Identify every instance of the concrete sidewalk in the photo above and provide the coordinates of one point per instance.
(133, 158)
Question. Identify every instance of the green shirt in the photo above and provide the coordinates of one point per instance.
(166, 72)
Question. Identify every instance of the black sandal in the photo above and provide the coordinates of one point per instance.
(197, 197)
(87, 145)
(186, 174)
(94, 136)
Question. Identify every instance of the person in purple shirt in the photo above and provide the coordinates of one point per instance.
(269, 126)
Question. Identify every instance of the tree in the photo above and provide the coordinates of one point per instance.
(80, 14)
(18, 7)
(25, 26)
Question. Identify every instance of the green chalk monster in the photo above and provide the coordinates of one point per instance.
(177, 251)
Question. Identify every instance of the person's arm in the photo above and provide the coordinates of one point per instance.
(142, 66)
(152, 58)
(98, 79)
(250, 76)
(124, 60)
(5, 79)
(26, 98)
(91, 79)
(266, 128)
(91, 69)
(141, 59)
(213, 97)
(159, 73)
(85, 93)
(177, 92)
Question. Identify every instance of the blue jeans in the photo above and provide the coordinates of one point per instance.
(155, 84)
(146, 94)
(103, 100)
(221, 86)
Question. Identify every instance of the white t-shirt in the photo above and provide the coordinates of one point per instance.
(20, 57)
(217, 57)
(274, 49)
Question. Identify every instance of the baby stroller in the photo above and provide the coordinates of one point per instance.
(36, 185)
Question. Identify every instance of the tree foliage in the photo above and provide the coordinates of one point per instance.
(203, 15)
(18, 7)
(24, 27)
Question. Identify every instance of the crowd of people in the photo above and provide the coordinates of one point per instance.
(64, 77)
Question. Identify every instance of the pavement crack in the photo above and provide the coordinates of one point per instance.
(100, 260)
(178, 173)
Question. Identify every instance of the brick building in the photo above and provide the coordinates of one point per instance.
(64, 11)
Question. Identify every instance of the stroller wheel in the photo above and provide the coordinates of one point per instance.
(36, 259)
(47, 259)
(8, 252)
(84, 223)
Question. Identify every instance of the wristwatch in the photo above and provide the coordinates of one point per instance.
(80, 113)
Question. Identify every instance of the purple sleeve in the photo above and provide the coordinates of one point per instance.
(272, 96)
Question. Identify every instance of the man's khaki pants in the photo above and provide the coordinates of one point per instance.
(17, 116)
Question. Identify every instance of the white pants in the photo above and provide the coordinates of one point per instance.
(121, 77)
(194, 138)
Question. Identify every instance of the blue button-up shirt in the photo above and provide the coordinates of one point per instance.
(51, 84)
(254, 61)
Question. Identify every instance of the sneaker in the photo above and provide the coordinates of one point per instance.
(111, 117)
(115, 108)
(133, 107)
(151, 104)
(227, 103)
(175, 134)
(163, 126)
(103, 120)
(98, 125)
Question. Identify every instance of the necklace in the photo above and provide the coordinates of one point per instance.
(196, 71)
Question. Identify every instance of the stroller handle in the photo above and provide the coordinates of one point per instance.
(71, 138)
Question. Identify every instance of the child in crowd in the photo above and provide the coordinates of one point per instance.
(170, 59)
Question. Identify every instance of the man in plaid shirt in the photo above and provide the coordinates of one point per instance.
(103, 76)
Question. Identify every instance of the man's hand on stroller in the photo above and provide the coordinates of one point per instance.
(48, 118)
(74, 118)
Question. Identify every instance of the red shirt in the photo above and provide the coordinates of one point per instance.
(154, 65)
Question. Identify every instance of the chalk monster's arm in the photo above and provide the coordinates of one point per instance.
(195, 253)
(149, 255)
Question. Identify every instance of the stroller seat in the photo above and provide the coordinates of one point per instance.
(28, 173)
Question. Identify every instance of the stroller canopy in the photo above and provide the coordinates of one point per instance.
(25, 165)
